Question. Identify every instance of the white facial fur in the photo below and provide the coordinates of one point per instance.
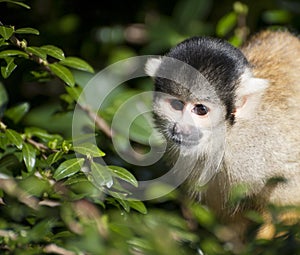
(187, 119)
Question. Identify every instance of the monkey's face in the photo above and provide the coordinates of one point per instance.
(188, 125)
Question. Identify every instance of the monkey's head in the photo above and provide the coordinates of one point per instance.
(202, 86)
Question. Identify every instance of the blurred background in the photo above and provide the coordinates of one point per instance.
(103, 32)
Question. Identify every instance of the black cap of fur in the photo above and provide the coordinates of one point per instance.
(218, 61)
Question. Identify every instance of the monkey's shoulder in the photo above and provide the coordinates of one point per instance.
(272, 41)
(273, 50)
(275, 56)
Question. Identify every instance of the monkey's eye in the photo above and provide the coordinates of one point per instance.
(177, 104)
(200, 109)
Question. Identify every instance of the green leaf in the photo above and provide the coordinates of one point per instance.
(3, 99)
(34, 185)
(17, 3)
(10, 53)
(100, 175)
(6, 32)
(203, 215)
(27, 30)
(63, 73)
(42, 134)
(54, 157)
(29, 156)
(74, 92)
(8, 164)
(3, 42)
(68, 168)
(277, 16)
(138, 205)
(226, 24)
(15, 138)
(121, 200)
(37, 51)
(140, 244)
(16, 113)
(89, 149)
(53, 51)
(77, 63)
(9, 68)
(40, 75)
(124, 175)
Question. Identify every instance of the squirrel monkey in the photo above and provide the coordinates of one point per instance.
(242, 123)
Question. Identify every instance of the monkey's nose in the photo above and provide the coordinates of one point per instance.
(185, 135)
(182, 130)
(176, 129)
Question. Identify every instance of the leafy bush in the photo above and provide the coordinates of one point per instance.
(56, 196)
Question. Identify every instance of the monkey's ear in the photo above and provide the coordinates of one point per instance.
(248, 95)
(152, 66)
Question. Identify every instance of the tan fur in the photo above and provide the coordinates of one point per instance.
(276, 57)
(263, 153)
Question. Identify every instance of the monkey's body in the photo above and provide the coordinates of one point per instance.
(261, 140)
(267, 145)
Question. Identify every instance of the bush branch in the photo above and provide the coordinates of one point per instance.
(53, 248)
(99, 122)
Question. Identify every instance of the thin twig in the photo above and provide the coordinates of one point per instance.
(99, 122)
(39, 146)
(10, 187)
(53, 248)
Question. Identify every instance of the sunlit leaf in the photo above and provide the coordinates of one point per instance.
(10, 53)
(140, 243)
(17, 3)
(54, 157)
(15, 138)
(68, 168)
(74, 92)
(89, 149)
(16, 113)
(226, 24)
(27, 30)
(124, 175)
(37, 51)
(9, 68)
(40, 75)
(3, 42)
(203, 215)
(101, 176)
(53, 51)
(42, 134)
(6, 32)
(77, 63)
(121, 199)
(29, 156)
(138, 205)
(63, 73)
